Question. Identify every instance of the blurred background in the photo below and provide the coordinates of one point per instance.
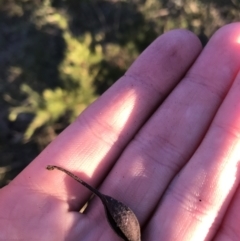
(57, 56)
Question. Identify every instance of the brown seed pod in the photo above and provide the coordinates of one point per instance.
(120, 217)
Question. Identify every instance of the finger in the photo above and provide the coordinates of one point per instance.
(229, 229)
(91, 144)
(196, 201)
(171, 136)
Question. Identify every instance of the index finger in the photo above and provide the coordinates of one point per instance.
(94, 141)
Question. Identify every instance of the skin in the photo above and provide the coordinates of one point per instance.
(164, 140)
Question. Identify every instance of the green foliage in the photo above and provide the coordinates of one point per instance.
(77, 79)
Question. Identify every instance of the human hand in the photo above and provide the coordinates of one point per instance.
(164, 140)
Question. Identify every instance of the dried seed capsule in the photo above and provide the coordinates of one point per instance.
(120, 217)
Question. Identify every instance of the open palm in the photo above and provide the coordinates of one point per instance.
(164, 140)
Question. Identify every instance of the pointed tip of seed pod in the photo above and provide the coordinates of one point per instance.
(122, 219)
